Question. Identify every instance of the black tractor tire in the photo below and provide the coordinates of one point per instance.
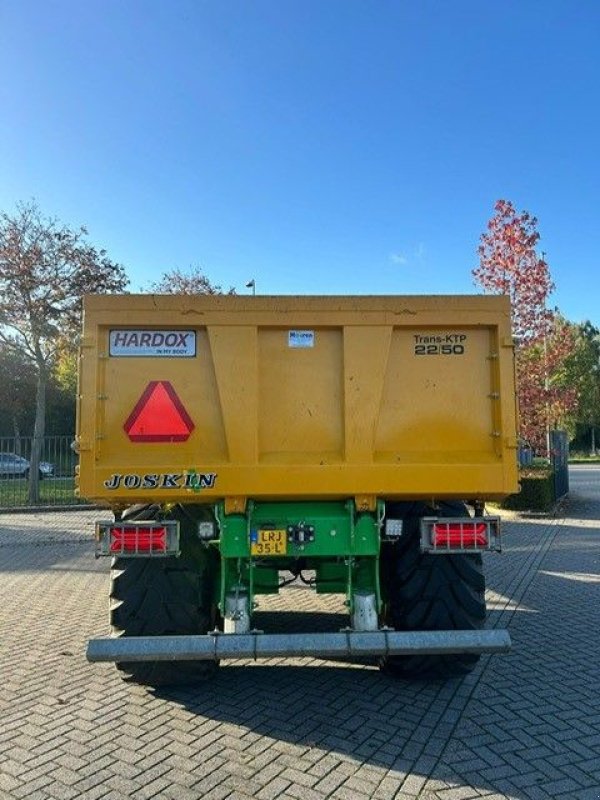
(162, 597)
(432, 592)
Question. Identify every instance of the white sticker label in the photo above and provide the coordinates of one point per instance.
(165, 344)
(301, 338)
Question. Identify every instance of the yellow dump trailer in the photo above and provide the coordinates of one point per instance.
(332, 436)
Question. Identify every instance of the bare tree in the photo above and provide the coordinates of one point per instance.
(192, 281)
(45, 269)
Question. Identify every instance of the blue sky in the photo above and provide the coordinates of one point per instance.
(319, 147)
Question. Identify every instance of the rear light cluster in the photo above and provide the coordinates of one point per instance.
(142, 539)
(460, 535)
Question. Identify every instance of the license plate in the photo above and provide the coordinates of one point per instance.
(268, 543)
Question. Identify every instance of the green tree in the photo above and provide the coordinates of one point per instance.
(17, 393)
(65, 368)
(583, 371)
(45, 269)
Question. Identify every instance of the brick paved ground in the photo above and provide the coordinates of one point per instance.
(522, 726)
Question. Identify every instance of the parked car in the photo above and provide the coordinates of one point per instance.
(12, 465)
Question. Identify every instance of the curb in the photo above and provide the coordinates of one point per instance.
(36, 509)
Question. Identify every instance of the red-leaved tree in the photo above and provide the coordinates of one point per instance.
(509, 264)
(547, 398)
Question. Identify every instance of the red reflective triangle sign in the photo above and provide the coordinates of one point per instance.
(159, 416)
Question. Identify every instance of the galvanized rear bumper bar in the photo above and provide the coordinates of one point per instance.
(349, 644)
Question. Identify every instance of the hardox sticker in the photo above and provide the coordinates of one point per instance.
(162, 344)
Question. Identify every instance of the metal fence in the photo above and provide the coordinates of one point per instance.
(56, 486)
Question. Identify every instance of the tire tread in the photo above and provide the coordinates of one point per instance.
(161, 597)
(434, 592)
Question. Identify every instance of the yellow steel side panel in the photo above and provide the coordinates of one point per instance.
(123, 382)
(301, 398)
(394, 397)
(233, 352)
(366, 354)
(435, 406)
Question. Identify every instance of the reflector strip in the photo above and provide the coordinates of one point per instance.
(159, 416)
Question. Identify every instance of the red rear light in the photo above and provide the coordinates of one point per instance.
(138, 539)
(459, 534)
(144, 538)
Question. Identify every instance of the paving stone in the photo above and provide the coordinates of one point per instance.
(273, 790)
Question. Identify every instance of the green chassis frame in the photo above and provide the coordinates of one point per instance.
(343, 552)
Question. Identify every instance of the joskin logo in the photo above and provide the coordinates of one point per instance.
(190, 481)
